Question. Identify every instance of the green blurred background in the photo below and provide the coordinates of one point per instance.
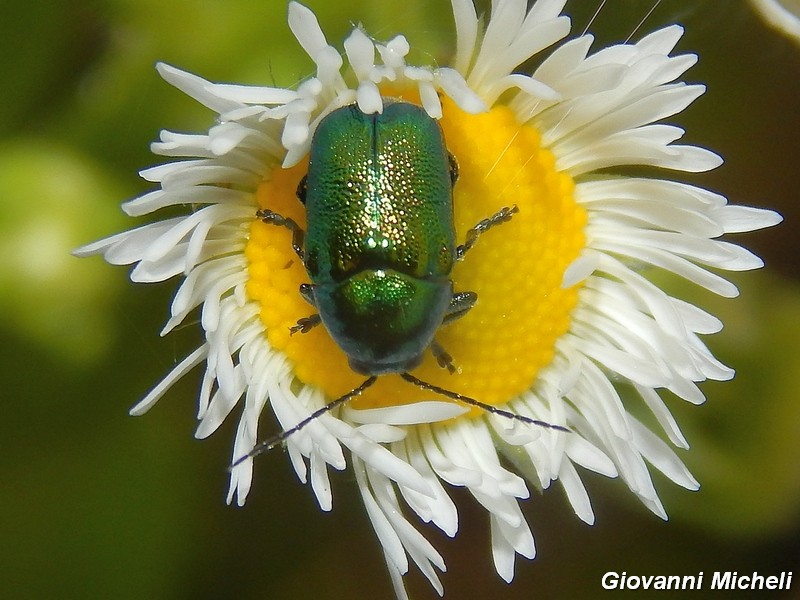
(96, 504)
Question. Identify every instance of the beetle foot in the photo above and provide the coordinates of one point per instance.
(305, 324)
(443, 357)
(272, 218)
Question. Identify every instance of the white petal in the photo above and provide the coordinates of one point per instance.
(662, 457)
(305, 27)
(320, 482)
(251, 94)
(737, 219)
(408, 414)
(466, 33)
(195, 87)
(430, 100)
(388, 537)
(580, 269)
(662, 41)
(369, 98)
(438, 509)
(576, 493)
(380, 459)
(360, 52)
(453, 85)
(588, 456)
(182, 368)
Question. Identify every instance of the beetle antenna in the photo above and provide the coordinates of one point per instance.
(482, 405)
(275, 440)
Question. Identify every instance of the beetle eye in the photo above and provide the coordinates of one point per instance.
(302, 188)
(453, 168)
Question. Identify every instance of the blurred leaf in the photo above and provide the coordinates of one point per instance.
(45, 46)
(54, 200)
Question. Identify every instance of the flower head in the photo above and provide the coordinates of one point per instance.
(566, 313)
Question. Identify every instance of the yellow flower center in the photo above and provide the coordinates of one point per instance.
(516, 269)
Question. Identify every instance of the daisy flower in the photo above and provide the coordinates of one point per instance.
(568, 318)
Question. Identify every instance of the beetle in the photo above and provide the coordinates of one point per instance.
(380, 245)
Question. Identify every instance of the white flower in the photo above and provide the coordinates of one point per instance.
(567, 314)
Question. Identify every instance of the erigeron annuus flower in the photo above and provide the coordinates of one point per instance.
(566, 314)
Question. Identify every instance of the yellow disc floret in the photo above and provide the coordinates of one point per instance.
(516, 269)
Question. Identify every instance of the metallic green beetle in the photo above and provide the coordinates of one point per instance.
(381, 241)
(380, 244)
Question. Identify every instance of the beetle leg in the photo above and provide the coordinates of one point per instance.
(442, 357)
(305, 324)
(453, 168)
(298, 235)
(501, 216)
(460, 304)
